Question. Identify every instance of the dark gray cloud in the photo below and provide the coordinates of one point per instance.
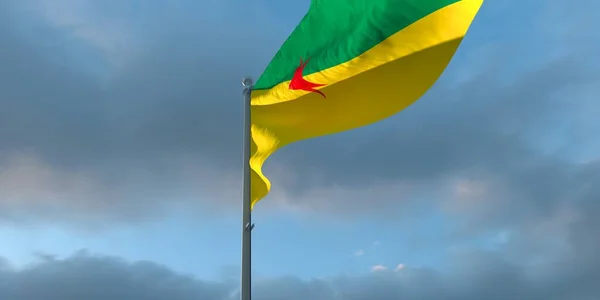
(89, 277)
(172, 98)
(88, 130)
(103, 113)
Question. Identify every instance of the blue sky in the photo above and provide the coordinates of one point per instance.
(283, 245)
(120, 128)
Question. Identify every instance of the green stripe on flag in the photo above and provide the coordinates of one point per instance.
(336, 31)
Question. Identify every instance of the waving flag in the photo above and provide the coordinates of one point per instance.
(350, 63)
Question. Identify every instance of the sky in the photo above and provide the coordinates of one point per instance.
(120, 161)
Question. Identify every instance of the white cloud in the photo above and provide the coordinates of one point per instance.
(378, 268)
(359, 252)
(399, 267)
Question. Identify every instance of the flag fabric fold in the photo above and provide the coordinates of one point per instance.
(349, 64)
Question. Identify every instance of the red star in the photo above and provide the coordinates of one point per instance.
(299, 83)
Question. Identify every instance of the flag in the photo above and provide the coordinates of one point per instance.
(350, 63)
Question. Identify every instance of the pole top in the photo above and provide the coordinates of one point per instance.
(247, 82)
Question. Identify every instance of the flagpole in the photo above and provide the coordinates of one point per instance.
(247, 225)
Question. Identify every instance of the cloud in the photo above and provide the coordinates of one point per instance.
(359, 252)
(100, 278)
(107, 116)
(467, 275)
(107, 110)
(378, 268)
(154, 128)
(399, 267)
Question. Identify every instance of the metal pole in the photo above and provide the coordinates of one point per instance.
(245, 291)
